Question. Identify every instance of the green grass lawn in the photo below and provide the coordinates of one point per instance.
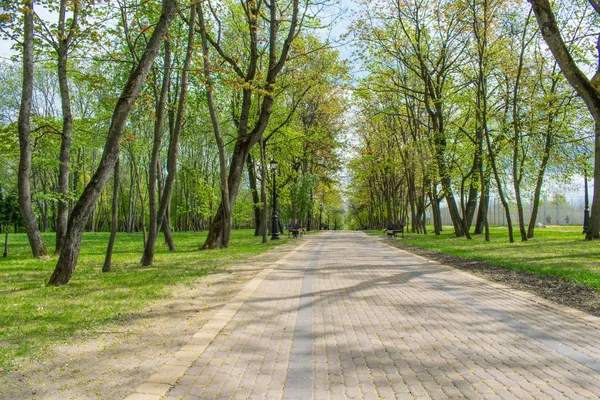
(559, 251)
(33, 316)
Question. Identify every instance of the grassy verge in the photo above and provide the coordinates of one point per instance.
(33, 316)
(558, 251)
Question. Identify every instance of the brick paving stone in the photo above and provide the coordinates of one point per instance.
(347, 317)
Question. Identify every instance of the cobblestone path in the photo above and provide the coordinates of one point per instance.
(348, 317)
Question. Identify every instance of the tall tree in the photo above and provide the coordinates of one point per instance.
(587, 89)
(80, 214)
(260, 23)
(64, 38)
(518, 158)
(24, 125)
(115, 221)
(159, 118)
(165, 199)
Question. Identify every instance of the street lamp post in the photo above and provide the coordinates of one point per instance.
(275, 217)
(586, 209)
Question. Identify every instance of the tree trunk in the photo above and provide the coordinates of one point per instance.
(263, 193)
(220, 231)
(92, 217)
(139, 190)
(153, 172)
(440, 151)
(166, 230)
(165, 199)
(469, 210)
(67, 129)
(254, 191)
(5, 254)
(548, 144)
(80, 214)
(115, 220)
(435, 210)
(499, 187)
(457, 220)
(484, 202)
(517, 165)
(131, 212)
(24, 125)
(309, 216)
(471, 205)
(6, 213)
(593, 231)
(166, 225)
(521, 218)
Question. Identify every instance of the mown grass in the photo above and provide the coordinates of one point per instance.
(33, 316)
(558, 251)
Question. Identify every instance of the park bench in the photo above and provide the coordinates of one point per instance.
(296, 232)
(393, 233)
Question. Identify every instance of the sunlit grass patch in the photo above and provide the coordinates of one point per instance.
(33, 316)
(557, 250)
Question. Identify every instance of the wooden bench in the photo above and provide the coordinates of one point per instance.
(393, 233)
(296, 232)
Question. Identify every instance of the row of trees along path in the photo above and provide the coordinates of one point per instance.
(244, 66)
(412, 93)
(466, 97)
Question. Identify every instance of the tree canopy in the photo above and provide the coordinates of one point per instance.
(151, 117)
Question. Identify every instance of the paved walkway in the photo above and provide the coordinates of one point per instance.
(347, 317)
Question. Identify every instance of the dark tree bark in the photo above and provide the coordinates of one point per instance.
(484, 200)
(538, 186)
(166, 225)
(131, 200)
(588, 90)
(24, 125)
(80, 214)
(263, 192)
(6, 213)
(471, 203)
(158, 134)
(435, 210)
(115, 220)
(166, 230)
(5, 253)
(250, 165)
(165, 199)
(139, 191)
(92, 217)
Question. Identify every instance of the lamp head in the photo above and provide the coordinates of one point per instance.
(273, 165)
